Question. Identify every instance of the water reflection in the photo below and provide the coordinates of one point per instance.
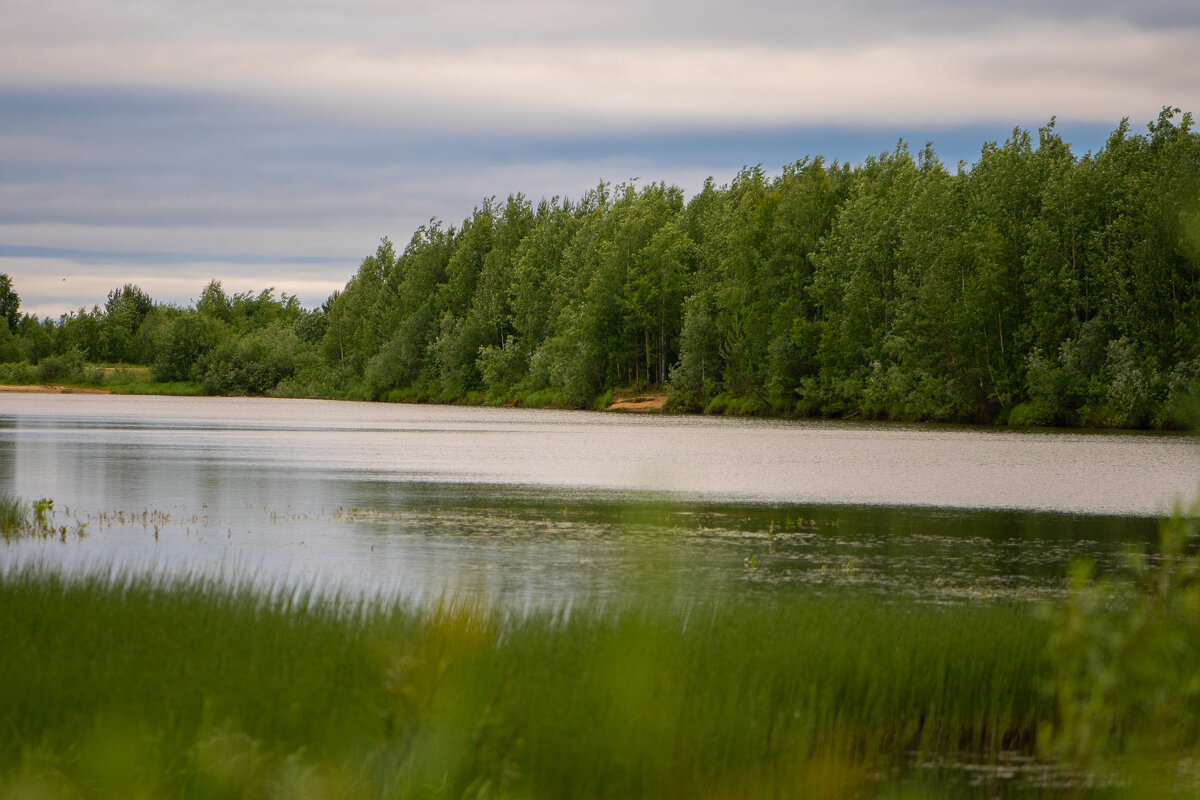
(545, 506)
(8, 456)
(420, 540)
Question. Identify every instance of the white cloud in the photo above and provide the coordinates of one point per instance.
(51, 287)
(1087, 69)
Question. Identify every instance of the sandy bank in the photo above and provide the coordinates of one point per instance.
(639, 403)
(48, 389)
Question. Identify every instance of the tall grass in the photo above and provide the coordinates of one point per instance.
(14, 516)
(19, 519)
(195, 689)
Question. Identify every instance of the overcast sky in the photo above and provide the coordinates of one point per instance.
(273, 143)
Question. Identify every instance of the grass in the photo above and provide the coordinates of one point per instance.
(133, 379)
(171, 388)
(119, 379)
(19, 519)
(193, 689)
(14, 515)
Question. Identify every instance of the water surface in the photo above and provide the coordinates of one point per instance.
(546, 505)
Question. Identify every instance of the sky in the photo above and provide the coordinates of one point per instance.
(272, 143)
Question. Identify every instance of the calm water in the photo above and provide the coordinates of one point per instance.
(545, 505)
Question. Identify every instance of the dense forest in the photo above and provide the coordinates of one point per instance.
(1032, 287)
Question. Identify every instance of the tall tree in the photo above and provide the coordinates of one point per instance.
(10, 303)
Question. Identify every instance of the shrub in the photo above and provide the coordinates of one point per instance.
(64, 367)
(1125, 650)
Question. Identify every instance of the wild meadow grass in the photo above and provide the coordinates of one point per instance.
(122, 686)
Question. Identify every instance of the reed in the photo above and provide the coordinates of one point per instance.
(14, 515)
(193, 688)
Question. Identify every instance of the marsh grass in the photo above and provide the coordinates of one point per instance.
(194, 688)
(20, 520)
(14, 515)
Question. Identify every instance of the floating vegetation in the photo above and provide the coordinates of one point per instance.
(553, 548)
(21, 520)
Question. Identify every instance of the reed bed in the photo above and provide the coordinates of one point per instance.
(122, 686)
(14, 516)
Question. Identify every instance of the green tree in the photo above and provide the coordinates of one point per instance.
(538, 285)
(855, 280)
(10, 303)
(695, 378)
(658, 281)
(183, 342)
(124, 312)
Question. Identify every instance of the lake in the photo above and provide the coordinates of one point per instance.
(540, 506)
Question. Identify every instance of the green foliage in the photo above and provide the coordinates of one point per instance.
(697, 375)
(19, 519)
(18, 373)
(1125, 650)
(14, 515)
(311, 326)
(10, 304)
(182, 343)
(214, 303)
(500, 367)
(252, 364)
(10, 349)
(196, 689)
(124, 313)
(66, 367)
(81, 330)
(36, 339)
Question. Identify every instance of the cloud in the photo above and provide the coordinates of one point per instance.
(278, 140)
(373, 27)
(50, 287)
(573, 67)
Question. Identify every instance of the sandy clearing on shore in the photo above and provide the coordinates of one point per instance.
(49, 389)
(639, 403)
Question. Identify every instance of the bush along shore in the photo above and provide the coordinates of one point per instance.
(1033, 287)
(123, 685)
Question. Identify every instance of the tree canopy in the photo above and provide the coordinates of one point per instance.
(1035, 286)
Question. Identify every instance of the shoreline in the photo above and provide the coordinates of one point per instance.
(651, 402)
(49, 388)
(631, 403)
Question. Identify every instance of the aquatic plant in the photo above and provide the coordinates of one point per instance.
(14, 515)
(193, 688)
(20, 519)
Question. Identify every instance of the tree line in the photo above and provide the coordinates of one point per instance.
(1033, 287)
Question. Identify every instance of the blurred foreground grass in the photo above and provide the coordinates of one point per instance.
(138, 687)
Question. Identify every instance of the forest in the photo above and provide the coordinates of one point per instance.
(1033, 287)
